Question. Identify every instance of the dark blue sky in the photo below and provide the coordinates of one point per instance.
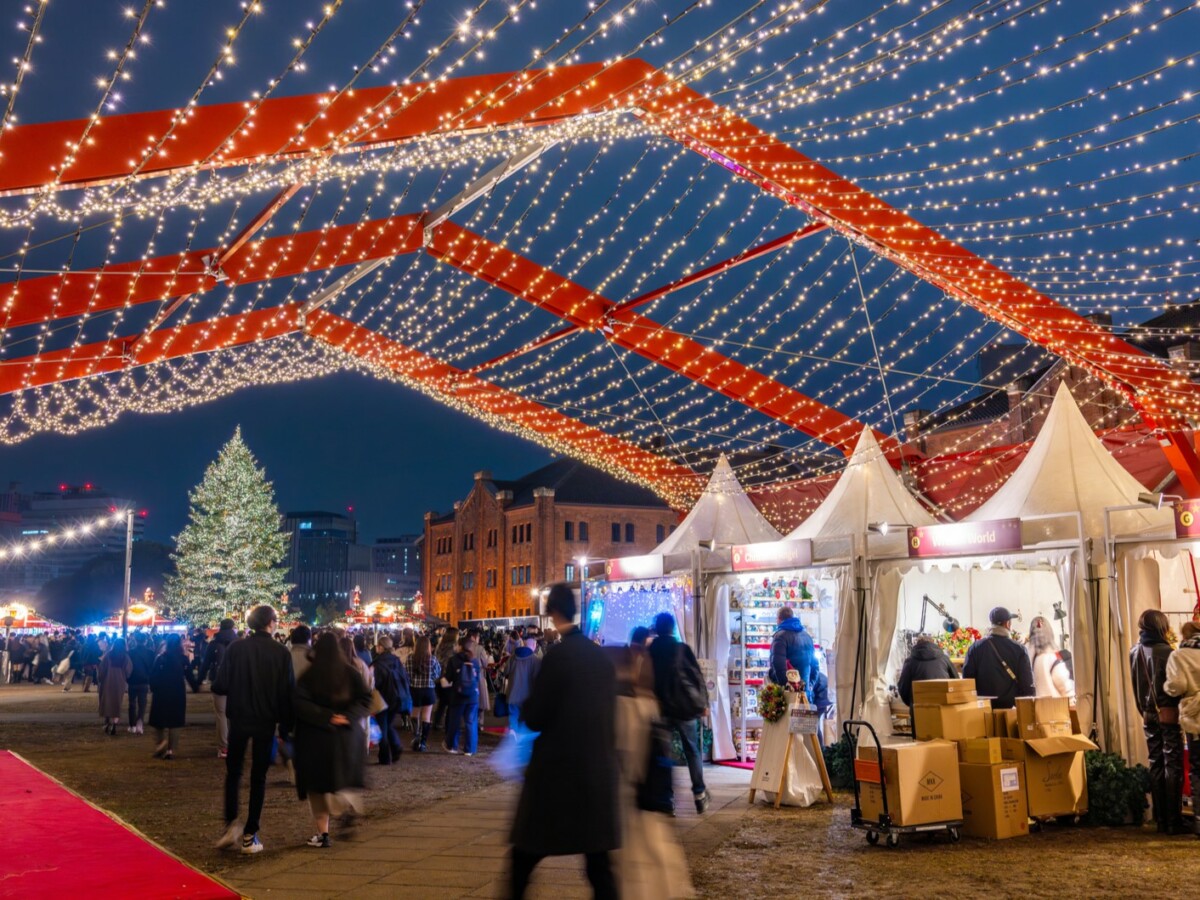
(1046, 136)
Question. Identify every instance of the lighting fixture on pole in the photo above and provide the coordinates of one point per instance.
(1156, 499)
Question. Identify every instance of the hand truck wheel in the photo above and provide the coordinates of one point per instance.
(893, 839)
(872, 838)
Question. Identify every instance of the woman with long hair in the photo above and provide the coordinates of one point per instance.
(350, 651)
(1051, 674)
(112, 680)
(1160, 719)
(168, 706)
(331, 697)
(446, 648)
(423, 673)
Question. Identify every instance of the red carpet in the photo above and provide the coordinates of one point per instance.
(735, 764)
(58, 845)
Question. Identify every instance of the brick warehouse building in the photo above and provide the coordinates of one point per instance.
(508, 539)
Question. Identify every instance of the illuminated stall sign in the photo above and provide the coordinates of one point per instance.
(1187, 519)
(958, 538)
(772, 555)
(631, 568)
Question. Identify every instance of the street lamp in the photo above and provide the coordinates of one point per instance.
(1156, 498)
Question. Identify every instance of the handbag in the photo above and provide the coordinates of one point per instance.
(654, 793)
(500, 706)
(378, 704)
(1163, 715)
(64, 666)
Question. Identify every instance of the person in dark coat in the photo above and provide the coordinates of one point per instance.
(391, 680)
(139, 681)
(670, 657)
(926, 662)
(113, 678)
(791, 643)
(568, 803)
(999, 665)
(331, 696)
(1160, 720)
(168, 683)
(256, 680)
(213, 654)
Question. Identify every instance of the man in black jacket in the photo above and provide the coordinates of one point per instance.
(142, 658)
(669, 656)
(568, 804)
(999, 665)
(213, 654)
(256, 680)
(926, 662)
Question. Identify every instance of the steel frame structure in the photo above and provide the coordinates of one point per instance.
(209, 137)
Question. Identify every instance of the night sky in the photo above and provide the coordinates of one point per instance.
(1041, 135)
(328, 444)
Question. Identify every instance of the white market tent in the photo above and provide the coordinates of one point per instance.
(726, 515)
(1060, 492)
(868, 492)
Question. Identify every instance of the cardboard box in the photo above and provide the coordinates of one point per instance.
(980, 751)
(1055, 777)
(1075, 727)
(922, 783)
(1006, 723)
(1051, 729)
(993, 800)
(1034, 711)
(952, 723)
(942, 691)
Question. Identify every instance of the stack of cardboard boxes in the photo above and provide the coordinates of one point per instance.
(1011, 764)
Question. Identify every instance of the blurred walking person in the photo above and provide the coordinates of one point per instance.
(331, 697)
(113, 678)
(1183, 681)
(168, 710)
(522, 671)
(651, 864)
(257, 682)
(424, 672)
(214, 653)
(92, 655)
(568, 804)
(139, 681)
(74, 651)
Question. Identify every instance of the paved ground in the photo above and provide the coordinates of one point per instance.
(461, 852)
(437, 826)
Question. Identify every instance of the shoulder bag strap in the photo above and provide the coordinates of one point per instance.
(1149, 677)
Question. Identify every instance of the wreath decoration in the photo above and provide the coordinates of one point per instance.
(772, 703)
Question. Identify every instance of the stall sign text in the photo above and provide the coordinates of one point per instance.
(964, 537)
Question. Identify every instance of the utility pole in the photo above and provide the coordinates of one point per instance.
(128, 573)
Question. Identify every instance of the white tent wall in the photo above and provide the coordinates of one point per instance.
(713, 644)
(1149, 576)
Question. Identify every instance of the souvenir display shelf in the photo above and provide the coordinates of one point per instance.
(752, 622)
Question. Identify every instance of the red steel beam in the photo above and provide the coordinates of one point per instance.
(371, 117)
(524, 278)
(673, 481)
(104, 357)
(161, 278)
(679, 284)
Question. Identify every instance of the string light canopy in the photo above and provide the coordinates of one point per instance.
(622, 244)
(82, 531)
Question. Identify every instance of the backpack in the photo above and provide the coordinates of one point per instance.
(466, 683)
(684, 697)
(385, 683)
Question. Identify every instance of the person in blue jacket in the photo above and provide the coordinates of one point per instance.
(792, 644)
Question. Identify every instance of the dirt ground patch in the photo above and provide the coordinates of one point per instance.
(179, 803)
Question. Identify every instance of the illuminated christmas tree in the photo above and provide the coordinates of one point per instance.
(227, 558)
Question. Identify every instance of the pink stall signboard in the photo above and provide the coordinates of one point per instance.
(958, 538)
(772, 555)
(632, 568)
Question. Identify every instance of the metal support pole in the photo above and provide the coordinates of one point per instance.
(128, 572)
